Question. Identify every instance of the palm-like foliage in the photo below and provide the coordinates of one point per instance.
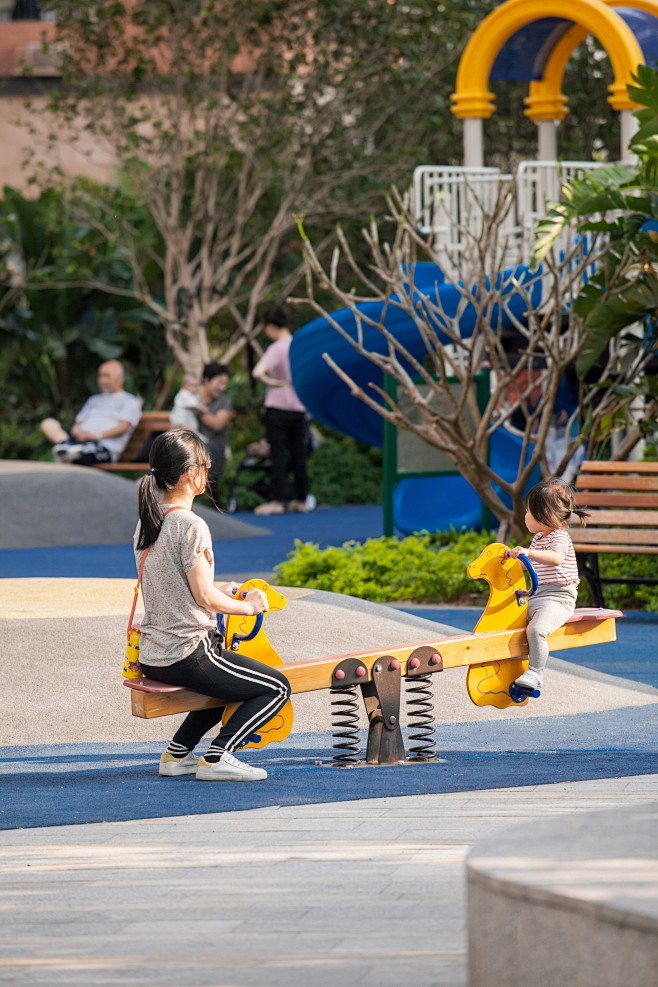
(617, 207)
(53, 333)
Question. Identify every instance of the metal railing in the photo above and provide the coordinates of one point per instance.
(449, 204)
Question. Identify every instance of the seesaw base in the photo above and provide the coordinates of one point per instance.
(403, 762)
(519, 693)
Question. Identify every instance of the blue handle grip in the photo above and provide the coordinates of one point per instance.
(238, 638)
(525, 561)
(252, 633)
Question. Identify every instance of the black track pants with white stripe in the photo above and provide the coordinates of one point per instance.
(229, 675)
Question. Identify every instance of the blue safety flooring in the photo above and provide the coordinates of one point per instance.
(83, 783)
(74, 784)
(324, 526)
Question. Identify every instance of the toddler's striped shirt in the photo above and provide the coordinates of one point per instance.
(557, 540)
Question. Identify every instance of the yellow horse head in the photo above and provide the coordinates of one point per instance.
(505, 577)
(488, 684)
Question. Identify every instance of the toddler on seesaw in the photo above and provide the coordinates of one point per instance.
(549, 507)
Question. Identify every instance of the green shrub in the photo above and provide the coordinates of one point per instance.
(381, 569)
(20, 435)
(343, 471)
(432, 569)
(247, 488)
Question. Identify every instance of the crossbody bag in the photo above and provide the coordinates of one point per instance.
(131, 666)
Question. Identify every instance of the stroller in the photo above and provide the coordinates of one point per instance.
(253, 471)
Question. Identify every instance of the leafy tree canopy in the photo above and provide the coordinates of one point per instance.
(229, 118)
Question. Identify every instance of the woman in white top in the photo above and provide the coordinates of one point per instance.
(549, 507)
(180, 643)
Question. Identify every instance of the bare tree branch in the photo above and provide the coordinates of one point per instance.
(499, 318)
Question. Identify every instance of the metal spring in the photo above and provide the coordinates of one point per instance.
(420, 709)
(345, 726)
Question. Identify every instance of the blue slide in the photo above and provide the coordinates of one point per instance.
(431, 503)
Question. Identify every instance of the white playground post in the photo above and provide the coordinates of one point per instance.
(628, 126)
(547, 140)
(473, 142)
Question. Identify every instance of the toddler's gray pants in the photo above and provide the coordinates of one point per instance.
(548, 609)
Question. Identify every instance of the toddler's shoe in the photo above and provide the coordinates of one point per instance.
(172, 767)
(530, 679)
(228, 768)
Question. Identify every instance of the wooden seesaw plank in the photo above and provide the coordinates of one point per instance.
(468, 649)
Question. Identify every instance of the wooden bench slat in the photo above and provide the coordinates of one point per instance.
(151, 421)
(619, 549)
(619, 483)
(631, 529)
(595, 466)
(620, 518)
(616, 536)
(616, 500)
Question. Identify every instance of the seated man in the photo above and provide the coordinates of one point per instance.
(103, 426)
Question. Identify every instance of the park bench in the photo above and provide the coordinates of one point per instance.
(151, 421)
(493, 656)
(623, 500)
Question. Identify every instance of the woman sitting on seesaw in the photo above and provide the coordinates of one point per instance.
(180, 643)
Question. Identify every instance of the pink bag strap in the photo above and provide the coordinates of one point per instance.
(139, 574)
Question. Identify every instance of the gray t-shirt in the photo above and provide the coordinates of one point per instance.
(217, 441)
(173, 623)
(102, 412)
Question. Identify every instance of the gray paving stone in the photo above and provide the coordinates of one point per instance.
(343, 894)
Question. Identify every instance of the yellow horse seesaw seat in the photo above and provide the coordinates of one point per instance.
(495, 655)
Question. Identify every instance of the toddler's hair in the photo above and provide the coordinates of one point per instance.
(551, 502)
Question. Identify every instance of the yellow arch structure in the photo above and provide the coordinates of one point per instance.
(472, 98)
(546, 101)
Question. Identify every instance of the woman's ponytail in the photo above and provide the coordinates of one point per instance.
(151, 514)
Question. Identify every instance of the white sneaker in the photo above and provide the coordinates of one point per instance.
(530, 679)
(228, 768)
(172, 767)
(67, 452)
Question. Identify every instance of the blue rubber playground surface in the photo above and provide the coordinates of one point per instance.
(82, 783)
(323, 527)
(74, 784)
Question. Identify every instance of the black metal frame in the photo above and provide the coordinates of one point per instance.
(588, 563)
(382, 696)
